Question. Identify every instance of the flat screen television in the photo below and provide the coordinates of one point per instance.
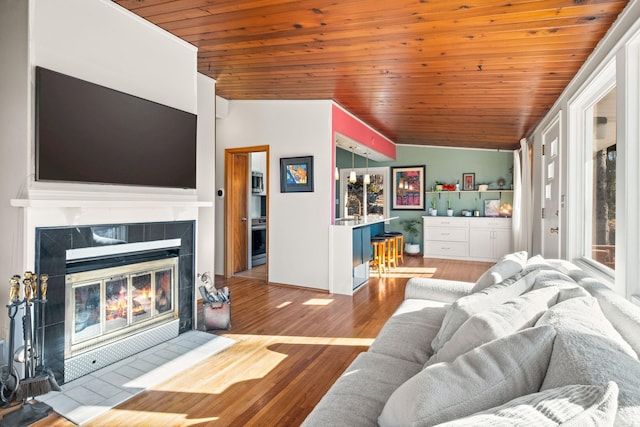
(87, 133)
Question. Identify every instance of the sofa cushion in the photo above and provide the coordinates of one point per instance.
(567, 287)
(588, 350)
(436, 289)
(358, 396)
(485, 377)
(568, 406)
(465, 307)
(516, 314)
(409, 331)
(506, 267)
(622, 313)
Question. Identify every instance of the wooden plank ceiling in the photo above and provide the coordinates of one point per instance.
(471, 73)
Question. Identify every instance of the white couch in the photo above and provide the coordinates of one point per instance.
(533, 342)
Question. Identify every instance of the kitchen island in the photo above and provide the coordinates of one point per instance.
(350, 252)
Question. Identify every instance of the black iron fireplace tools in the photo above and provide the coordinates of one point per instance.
(38, 379)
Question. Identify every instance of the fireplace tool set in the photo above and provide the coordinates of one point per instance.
(38, 379)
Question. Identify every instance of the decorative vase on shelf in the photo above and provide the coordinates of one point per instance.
(434, 212)
(449, 212)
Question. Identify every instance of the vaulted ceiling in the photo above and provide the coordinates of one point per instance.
(468, 73)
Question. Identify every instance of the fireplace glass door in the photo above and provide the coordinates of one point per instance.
(110, 303)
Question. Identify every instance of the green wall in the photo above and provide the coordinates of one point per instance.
(445, 165)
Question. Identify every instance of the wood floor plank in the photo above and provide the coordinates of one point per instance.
(292, 344)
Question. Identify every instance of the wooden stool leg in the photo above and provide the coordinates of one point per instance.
(391, 252)
(378, 256)
(400, 247)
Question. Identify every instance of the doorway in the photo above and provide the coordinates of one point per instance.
(246, 212)
(551, 200)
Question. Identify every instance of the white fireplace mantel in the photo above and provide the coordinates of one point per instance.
(56, 203)
(56, 212)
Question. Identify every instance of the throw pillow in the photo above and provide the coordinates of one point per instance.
(568, 406)
(485, 377)
(465, 307)
(588, 350)
(516, 314)
(506, 267)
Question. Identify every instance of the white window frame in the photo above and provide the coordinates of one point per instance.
(621, 69)
(580, 169)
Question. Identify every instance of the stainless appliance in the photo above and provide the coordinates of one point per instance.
(257, 182)
(258, 241)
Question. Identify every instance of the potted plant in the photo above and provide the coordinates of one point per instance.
(434, 210)
(449, 210)
(412, 228)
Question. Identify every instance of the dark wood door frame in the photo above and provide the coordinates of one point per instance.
(229, 200)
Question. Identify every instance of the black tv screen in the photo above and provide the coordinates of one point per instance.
(92, 134)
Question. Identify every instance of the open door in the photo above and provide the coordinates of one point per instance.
(238, 219)
(551, 140)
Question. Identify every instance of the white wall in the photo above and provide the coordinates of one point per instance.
(14, 131)
(206, 179)
(99, 41)
(298, 222)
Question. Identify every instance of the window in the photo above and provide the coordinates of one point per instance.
(592, 166)
(352, 200)
(603, 189)
(602, 173)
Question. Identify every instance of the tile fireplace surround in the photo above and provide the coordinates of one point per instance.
(50, 257)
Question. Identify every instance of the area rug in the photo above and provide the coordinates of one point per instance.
(92, 395)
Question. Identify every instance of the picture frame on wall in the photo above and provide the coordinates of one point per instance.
(468, 181)
(407, 183)
(492, 208)
(296, 174)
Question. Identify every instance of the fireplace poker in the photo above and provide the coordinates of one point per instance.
(41, 367)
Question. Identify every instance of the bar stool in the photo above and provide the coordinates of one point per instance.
(379, 248)
(399, 244)
(392, 250)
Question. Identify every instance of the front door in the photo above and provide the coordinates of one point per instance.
(551, 140)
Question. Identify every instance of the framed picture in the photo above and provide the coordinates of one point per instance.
(492, 208)
(468, 181)
(296, 174)
(407, 183)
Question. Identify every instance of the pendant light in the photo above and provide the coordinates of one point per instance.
(352, 174)
(367, 178)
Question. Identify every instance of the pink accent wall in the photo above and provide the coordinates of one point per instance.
(348, 125)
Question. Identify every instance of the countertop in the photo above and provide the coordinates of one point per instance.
(351, 223)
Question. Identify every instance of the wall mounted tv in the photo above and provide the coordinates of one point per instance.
(92, 134)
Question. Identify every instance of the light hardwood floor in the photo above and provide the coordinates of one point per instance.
(292, 344)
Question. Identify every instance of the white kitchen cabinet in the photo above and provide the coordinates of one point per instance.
(479, 239)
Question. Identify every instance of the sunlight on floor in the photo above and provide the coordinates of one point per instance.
(280, 339)
(184, 419)
(260, 349)
(407, 272)
(284, 304)
(318, 301)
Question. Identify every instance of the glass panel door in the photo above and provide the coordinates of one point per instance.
(164, 296)
(86, 300)
(116, 303)
(141, 304)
